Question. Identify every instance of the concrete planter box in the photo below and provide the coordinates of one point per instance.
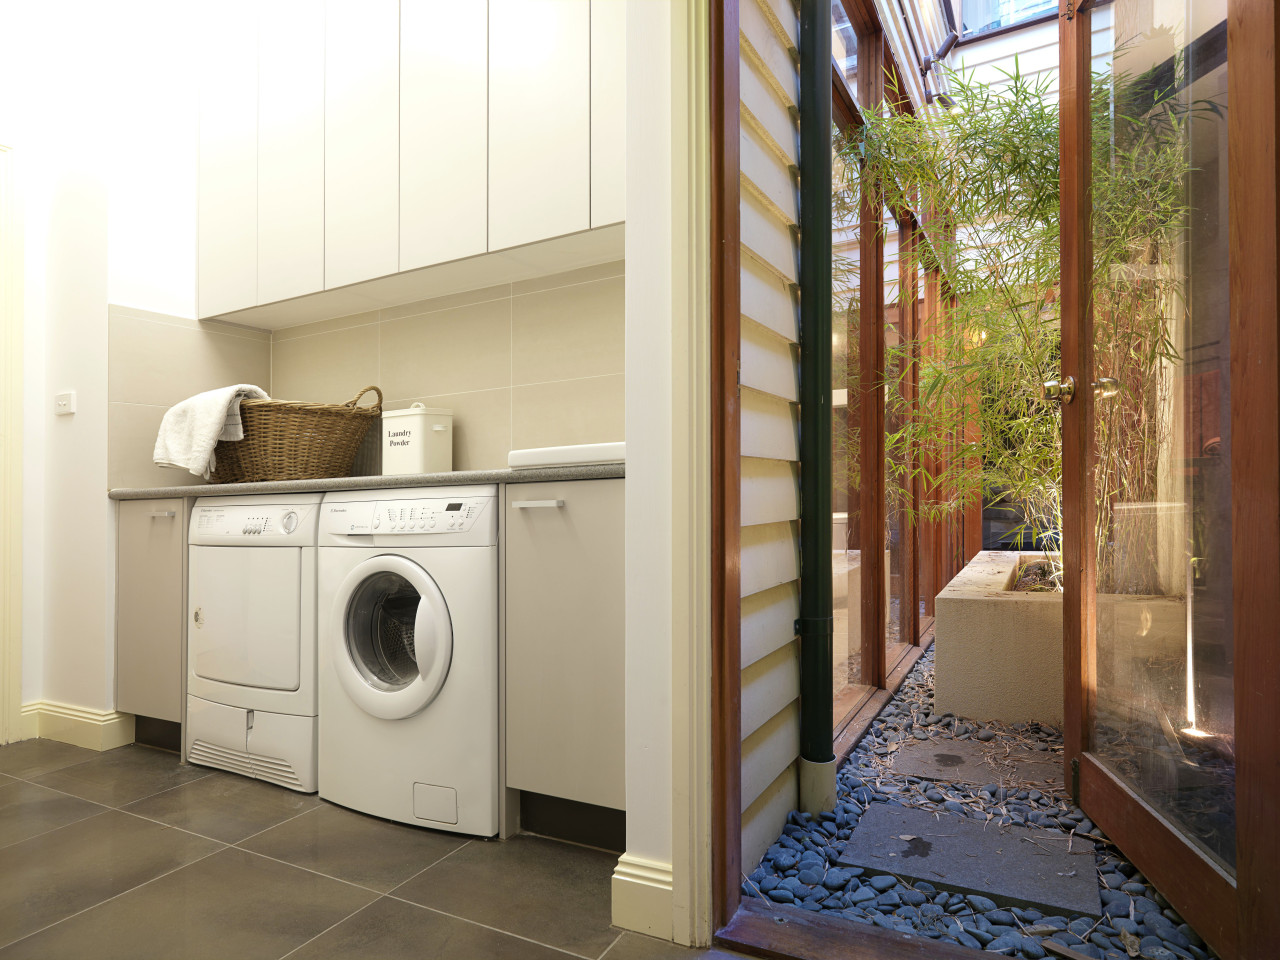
(999, 653)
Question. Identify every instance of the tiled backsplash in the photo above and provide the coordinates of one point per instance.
(153, 361)
(528, 364)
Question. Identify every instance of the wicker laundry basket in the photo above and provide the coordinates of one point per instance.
(286, 440)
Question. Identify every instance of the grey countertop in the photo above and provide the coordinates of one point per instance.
(588, 471)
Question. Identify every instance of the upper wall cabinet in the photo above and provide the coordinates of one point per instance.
(290, 149)
(227, 232)
(444, 135)
(539, 119)
(361, 140)
(608, 112)
(345, 140)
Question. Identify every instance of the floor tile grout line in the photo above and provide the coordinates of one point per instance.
(327, 876)
(116, 896)
(303, 813)
(465, 843)
(45, 833)
(610, 946)
(331, 926)
(477, 923)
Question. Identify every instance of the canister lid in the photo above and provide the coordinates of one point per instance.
(418, 408)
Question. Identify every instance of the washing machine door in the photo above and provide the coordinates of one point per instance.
(393, 640)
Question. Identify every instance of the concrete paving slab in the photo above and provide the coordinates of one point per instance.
(1014, 866)
(969, 761)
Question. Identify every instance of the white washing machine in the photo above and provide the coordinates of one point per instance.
(408, 582)
(251, 637)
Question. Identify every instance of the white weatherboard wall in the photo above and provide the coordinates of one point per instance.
(1033, 50)
(770, 528)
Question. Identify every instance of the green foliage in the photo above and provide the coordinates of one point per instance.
(984, 179)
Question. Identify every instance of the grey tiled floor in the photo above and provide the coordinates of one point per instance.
(130, 854)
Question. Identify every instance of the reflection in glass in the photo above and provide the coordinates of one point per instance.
(1164, 705)
(846, 483)
(897, 540)
(983, 16)
(844, 44)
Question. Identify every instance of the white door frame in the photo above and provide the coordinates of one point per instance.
(11, 406)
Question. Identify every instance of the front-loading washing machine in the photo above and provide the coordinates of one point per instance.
(251, 637)
(408, 626)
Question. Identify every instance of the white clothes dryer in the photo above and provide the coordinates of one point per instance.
(408, 581)
(251, 637)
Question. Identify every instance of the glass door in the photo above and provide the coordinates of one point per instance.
(1155, 162)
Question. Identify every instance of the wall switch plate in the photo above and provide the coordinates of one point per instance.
(64, 404)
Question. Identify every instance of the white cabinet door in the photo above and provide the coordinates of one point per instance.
(566, 728)
(539, 119)
(227, 185)
(149, 616)
(290, 149)
(443, 130)
(608, 111)
(361, 140)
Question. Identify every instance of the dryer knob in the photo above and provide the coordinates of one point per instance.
(289, 522)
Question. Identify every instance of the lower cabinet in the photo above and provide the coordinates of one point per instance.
(150, 547)
(565, 722)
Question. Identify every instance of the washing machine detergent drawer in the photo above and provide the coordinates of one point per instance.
(245, 607)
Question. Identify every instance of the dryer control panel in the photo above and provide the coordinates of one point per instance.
(419, 516)
(223, 521)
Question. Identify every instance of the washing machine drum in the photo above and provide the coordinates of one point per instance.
(394, 637)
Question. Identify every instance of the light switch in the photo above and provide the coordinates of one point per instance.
(64, 404)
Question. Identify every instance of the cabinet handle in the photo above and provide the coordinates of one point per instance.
(525, 504)
(162, 514)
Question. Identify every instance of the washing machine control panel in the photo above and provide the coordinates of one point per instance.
(391, 517)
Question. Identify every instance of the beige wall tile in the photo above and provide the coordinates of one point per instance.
(450, 351)
(600, 271)
(131, 439)
(567, 411)
(326, 368)
(162, 363)
(325, 326)
(500, 291)
(568, 332)
(481, 426)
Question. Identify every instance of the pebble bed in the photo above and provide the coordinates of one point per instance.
(800, 869)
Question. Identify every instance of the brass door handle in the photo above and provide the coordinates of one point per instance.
(1104, 388)
(1061, 390)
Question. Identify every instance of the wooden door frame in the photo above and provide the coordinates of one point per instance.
(1236, 915)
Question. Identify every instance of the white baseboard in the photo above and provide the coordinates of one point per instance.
(642, 899)
(79, 726)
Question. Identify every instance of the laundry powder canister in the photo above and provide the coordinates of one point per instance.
(417, 440)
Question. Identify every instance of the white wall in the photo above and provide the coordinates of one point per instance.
(97, 102)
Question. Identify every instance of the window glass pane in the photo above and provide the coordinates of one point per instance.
(1164, 719)
(846, 483)
(844, 44)
(983, 16)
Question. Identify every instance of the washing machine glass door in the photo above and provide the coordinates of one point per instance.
(393, 642)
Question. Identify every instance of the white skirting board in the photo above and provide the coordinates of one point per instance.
(79, 726)
(642, 898)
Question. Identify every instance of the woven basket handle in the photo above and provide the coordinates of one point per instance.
(377, 407)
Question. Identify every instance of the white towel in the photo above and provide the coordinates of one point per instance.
(191, 429)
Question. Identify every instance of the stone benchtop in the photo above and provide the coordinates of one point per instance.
(583, 471)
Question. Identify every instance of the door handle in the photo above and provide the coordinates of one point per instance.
(526, 504)
(1060, 390)
(1104, 388)
(162, 514)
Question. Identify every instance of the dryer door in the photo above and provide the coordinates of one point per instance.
(393, 640)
